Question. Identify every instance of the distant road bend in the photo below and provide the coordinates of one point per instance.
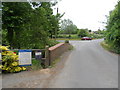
(88, 66)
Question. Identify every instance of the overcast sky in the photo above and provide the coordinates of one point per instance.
(86, 13)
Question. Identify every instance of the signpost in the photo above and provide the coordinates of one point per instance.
(25, 57)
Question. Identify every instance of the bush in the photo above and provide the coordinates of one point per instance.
(66, 41)
(9, 61)
(51, 43)
(82, 33)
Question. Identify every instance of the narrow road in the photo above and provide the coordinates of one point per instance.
(88, 66)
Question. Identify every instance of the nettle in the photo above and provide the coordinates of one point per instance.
(9, 61)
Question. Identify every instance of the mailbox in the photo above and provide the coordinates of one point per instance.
(38, 55)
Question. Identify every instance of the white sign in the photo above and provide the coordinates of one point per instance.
(38, 53)
(25, 57)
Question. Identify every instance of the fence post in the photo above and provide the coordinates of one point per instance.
(46, 56)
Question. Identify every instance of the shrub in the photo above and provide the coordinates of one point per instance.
(66, 41)
(51, 43)
(9, 61)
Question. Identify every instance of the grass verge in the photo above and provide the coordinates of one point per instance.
(107, 47)
(71, 47)
(68, 39)
(54, 63)
(36, 65)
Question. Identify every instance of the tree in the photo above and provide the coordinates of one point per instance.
(82, 33)
(113, 29)
(25, 27)
(67, 27)
(14, 17)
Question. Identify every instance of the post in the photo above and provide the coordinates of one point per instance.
(47, 62)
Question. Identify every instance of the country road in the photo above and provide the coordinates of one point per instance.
(88, 66)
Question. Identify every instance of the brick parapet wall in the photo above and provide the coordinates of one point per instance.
(57, 50)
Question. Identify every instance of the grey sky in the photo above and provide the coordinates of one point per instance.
(86, 13)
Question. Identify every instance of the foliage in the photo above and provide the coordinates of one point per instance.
(113, 29)
(66, 41)
(107, 47)
(82, 33)
(73, 36)
(52, 42)
(13, 21)
(67, 27)
(9, 61)
(36, 64)
(26, 28)
(96, 36)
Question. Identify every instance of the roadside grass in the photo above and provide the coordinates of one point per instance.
(53, 64)
(76, 37)
(68, 39)
(108, 47)
(71, 47)
(105, 46)
(36, 64)
(72, 39)
(68, 36)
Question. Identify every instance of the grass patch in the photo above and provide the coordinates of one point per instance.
(36, 64)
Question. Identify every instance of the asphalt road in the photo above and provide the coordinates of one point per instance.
(88, 66)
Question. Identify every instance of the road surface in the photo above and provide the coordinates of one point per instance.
(88, 66)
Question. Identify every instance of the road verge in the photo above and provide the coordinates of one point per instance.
(108, 47)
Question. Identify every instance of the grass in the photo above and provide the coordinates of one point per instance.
(36, 64)
(68, 36)
(108, 47)
(76, 37)
(71, 47)
(104, 45)
(72, 38)
(68, 39)
(54, 62)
